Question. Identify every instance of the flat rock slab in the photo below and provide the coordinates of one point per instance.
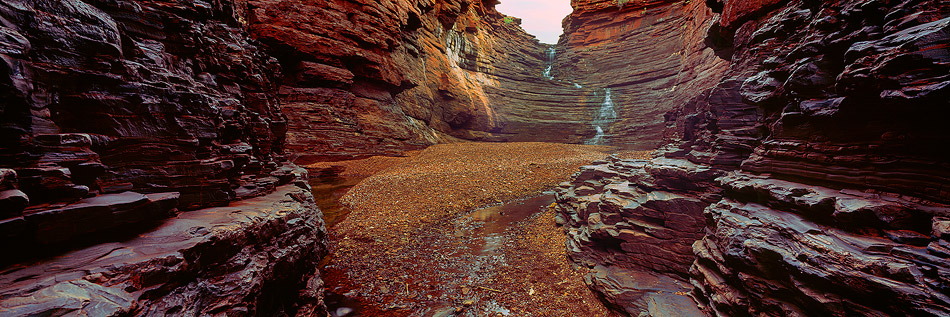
(99, 213)
(106, 279)
(642, 293)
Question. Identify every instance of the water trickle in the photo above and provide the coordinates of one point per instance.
(547, 71)
(603, 118)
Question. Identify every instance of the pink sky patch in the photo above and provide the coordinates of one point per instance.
(541, 18)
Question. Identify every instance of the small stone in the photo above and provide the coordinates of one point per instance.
(938, 250)
(12, 203)
(7, 178)
(444, 312)
(941, 228)
(907, 237)
(559, 220)
(343, 311)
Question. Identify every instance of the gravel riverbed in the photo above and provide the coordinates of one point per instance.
(411, 245)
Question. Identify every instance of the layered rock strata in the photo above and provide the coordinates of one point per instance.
(247, 259)
(364, 78)
(818, 196)
(369, 77)
(651, 56)
(115, 116)
(633, 222)
(116, 113)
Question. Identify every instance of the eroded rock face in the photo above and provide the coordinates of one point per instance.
(364, 77)
(818, 195)
(116, 113)
(252, 257)
(370, 77)
(633, 222)
(651, 55)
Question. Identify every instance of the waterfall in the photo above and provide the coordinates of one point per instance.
(603, 118)
(547, 71)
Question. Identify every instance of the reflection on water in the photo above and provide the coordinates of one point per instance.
(496, 219)
(327, 192)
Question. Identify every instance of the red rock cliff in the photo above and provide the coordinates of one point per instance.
(364, 77)
(652, 55)
(370, 77)
(153, 97)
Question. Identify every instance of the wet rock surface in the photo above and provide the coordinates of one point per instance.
(814, 195)
(249, 258)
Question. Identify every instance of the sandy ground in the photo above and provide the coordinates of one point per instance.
(411, 247)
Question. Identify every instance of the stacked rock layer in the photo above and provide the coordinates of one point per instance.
(115, 116)
(806, 182)
(369, 77)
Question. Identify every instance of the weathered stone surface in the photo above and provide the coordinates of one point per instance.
(7, 179)
(823, 188)
(104, 97)
(98, 213)
(114, 113)
(652, 55)
(249, 258)
(634, 232)
(12, 203)
(640, 293)
(368, 77)
(735, 12)
(822, 269)
(402, 75)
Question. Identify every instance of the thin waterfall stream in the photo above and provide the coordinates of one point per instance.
(547, 71)
(603, 118)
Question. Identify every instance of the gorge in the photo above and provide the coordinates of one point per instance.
(743, 157)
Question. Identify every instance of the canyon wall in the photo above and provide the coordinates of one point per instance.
(115, 116)
(809, 180)
(102, 99)
(651, 55)
(365, 78)
(368, 77)
(256, 257)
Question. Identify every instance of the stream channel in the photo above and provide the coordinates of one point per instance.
(484, 231)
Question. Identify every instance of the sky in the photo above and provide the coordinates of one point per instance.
(541, 18)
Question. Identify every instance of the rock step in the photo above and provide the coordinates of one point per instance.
(227, 260)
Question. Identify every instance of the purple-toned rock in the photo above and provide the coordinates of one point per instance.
(12, 203)
(822, 189)
(634, 233)
(97, 214)
(247, 259)
(7, 179)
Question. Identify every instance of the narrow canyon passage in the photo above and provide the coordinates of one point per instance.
(432, 158)
(457, 228)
